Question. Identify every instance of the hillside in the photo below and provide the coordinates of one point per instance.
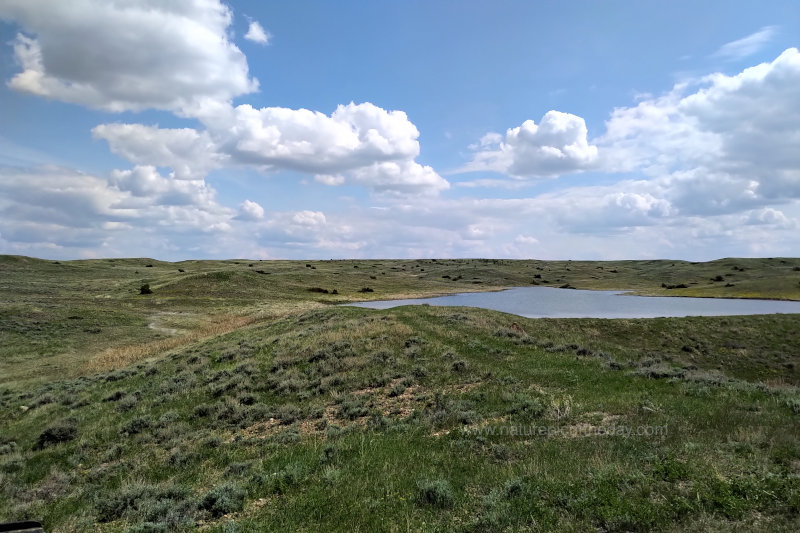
(233, 398)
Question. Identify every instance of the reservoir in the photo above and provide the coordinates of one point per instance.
(548, 302)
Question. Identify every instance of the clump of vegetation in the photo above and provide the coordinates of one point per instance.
(136, 425)
(458, 366)
(223, 499)
(145, 289)
(352, 408)
(436, 493)
(170, 506)
(62, 431)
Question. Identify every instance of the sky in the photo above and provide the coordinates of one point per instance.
(199, 129)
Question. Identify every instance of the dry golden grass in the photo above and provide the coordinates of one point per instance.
(121, 356)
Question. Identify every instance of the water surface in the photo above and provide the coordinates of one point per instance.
(548, 302)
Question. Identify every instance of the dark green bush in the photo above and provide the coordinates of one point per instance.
(352, 408)
(288, 413)
(436, 493)
(458, 366)
(62, 431)
(223, 499)
(202, 410)
(397, 390)
(115, 396)
(136, 425)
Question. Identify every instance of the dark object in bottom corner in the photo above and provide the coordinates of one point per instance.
(28, 526)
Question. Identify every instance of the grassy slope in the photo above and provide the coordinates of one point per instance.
(308, 417)
(66, 318)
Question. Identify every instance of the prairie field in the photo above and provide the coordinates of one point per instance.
(140, 395)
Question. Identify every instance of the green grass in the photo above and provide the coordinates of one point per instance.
(306, 416)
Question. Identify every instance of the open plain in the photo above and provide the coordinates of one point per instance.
(237, 396)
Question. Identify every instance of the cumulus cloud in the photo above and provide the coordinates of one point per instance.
(557, 145)
(399, 178)
(119, 55)
(180, 59)
(371, 146)
(147, 187)
(353, 136)
(746, 46)
(191, 154)
(257, 34)
(308, 218)
(769, 217)
(721, 145)
(729, 146)
(250, 210)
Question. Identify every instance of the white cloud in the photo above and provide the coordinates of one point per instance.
(328, 179)
(191, 154)
(558, 145)
(400, 178)
(729, 146)
(149, 188)
(769, 217)
(120, 55)
(352, 136)
(746, 46)
(250, 210)
(257, 34)
(526, 239)
(180, 59)
(138, 211)
(308, 218)
(493, 183)
(375, 147)
(489, 140)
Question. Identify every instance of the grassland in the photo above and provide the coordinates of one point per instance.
(237, 397)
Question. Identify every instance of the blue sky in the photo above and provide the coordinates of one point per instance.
(584, 130)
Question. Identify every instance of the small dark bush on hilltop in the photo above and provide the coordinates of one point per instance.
(319, 290)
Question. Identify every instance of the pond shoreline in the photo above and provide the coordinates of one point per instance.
(552, 302)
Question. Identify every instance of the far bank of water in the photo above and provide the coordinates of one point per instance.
(548, 302)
